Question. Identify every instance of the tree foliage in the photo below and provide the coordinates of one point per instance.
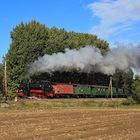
(31, 40)
(136, 89)
(1, 78)
(123, 80)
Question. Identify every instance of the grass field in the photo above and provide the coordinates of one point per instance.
(28, 104)
(70, 119)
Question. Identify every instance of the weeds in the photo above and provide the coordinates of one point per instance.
(28, 104)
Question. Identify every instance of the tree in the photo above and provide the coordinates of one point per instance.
(136, 89)
(28, 43)
(123, 80)
(1, 78)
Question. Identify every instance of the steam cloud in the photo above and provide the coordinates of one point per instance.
(89, 59)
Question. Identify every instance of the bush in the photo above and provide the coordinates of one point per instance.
(136, 90)
(129, 101)
(136, 97)
(1, 98)
(11, 95)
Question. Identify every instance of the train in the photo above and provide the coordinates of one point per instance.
(46, 89)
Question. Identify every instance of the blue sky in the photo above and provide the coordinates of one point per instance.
(112, 20)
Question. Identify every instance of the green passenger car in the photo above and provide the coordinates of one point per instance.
(99, 91)
(90, 91)
(81, 90)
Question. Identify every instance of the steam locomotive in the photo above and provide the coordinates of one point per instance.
(45, 89)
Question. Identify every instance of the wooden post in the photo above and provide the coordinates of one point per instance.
(5, 79)
(111, 87)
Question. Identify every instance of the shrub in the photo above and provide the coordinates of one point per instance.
(136, 89)
(129, 101)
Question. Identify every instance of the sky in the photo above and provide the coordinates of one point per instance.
(111, 20)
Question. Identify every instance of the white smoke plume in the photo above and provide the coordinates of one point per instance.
(89, 59)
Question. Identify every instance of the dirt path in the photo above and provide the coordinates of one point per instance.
(71, 124)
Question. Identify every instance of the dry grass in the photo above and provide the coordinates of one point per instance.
(32, 104)
(70, 103)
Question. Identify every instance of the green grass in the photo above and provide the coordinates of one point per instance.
(30, 104)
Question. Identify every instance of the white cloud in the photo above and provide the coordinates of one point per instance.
(114, 16)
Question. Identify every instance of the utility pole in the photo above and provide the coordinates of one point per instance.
(110, 88)
(5, 79)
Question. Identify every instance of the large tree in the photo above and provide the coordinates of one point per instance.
(28, 43)
(136, 89)
(123, 80)
(31, 40)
